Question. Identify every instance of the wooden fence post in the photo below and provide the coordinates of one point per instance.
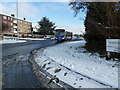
(108, 55)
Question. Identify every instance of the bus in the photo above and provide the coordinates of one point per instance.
(61, 35)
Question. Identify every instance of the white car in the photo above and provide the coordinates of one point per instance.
(47, 37)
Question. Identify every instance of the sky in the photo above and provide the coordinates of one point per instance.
(58, 12)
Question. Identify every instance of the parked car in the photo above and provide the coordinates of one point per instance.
(47, 37)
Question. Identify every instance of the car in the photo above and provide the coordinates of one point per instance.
(47, 37)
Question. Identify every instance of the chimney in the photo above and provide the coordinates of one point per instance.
(24, 18)
(13, 15)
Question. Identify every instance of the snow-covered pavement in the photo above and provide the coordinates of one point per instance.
(17, 39)
(69, 62)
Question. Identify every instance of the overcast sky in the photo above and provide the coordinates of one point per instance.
(58, 12)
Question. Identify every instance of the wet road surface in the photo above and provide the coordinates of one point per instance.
(17, 72)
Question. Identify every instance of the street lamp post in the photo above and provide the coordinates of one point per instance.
(17, 15)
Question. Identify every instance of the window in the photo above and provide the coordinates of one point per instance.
(29, 27)
(20, 25)
(25, 22)
(11, 29)
(5, 22)
(25, 26)
(19, 21)
(29, 23)
(15, 29)
(29, 30)
(15, 24)
(4, 17)
(15, 19)
(9, 18)
(11, 24)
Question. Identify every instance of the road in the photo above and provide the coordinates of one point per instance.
(17, 72)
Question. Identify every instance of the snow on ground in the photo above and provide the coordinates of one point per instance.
(32, 38)
(11, 41)
(16, 39)
(69, 63)
(7, 39)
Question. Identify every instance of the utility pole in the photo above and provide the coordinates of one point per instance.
(17, 15)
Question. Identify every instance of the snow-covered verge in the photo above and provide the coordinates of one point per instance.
(17, 39)
(69, 63)
(11, 41)
(32, 38)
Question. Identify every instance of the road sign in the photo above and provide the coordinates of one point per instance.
(113, 45)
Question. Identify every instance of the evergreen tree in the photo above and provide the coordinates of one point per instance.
(46, 27)
(102, 19)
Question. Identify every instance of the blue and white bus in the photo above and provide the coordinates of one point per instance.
(62, 35)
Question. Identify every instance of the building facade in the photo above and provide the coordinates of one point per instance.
(8, 21)
(24, 27)
(16, 26)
